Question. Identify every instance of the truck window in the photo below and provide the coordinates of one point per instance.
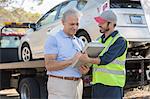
(9, 42)
(7, 30)
(125, 4)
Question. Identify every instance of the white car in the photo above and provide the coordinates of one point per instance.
(131, 23)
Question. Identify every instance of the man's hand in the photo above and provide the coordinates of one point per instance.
(84, 58)
(76, 56)
(84, 69)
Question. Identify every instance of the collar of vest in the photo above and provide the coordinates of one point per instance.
(113, 34)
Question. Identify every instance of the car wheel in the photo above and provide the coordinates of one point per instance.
(84, 36)
(29, 89)
(26, 53)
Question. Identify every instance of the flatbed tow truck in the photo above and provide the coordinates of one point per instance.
(29, 78)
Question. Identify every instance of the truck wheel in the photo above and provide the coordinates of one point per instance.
(26, 53)
(29, 89)
(84, 36)
(148, 53)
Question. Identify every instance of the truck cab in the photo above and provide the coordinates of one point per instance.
(10, 40)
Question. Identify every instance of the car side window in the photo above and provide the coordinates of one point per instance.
(49, 17)
(81, 4)
(63, 9)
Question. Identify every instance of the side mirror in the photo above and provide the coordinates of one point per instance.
(33, 26)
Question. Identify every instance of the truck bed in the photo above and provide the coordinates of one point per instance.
(15, 65)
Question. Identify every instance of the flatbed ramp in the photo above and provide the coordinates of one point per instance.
(30, 64)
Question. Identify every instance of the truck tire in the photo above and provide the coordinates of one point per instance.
(26, 53)
(84, 36)
(29, 89)
(148, 53)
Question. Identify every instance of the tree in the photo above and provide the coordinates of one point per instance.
(17, 15)
(7, 3)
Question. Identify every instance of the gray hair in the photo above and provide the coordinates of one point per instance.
(71, 12)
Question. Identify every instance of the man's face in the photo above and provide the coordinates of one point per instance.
(103, 27)
(70, 25)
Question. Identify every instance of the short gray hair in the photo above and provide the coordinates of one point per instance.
(71, 12)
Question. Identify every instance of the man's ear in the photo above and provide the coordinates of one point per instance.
(62, 21)
(114, 25)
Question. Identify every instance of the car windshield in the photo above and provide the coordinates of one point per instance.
(9, 41)
(125, 4)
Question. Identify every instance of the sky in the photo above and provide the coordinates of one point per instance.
(47, 4)
(31, 5)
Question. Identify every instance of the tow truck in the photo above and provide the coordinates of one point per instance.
(30, 79)
(10, 40)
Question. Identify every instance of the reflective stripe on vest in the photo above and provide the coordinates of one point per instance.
(116, 72)
(118, 62)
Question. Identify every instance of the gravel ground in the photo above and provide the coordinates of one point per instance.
(134, 94)
(137, 95)
(9, 94)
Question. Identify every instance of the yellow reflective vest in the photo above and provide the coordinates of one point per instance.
(112, 74)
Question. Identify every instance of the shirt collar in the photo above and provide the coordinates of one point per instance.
(65, 35)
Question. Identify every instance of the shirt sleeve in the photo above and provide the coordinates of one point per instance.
(114, 51)
(51, 46)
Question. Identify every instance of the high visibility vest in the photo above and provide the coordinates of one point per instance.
(112, 74)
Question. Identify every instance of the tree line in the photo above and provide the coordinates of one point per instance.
(17, 15)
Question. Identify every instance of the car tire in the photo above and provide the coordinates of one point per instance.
(84, 36)
(29, 89)
(26, 53)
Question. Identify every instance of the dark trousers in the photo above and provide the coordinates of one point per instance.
(100, 91)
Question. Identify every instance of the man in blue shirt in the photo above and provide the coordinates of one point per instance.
(61, 51)
(109, 67)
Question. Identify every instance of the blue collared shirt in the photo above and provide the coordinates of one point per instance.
(115, 50)
(65, 47)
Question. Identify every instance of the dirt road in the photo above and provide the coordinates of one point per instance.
(134, 94)
(9, 94)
